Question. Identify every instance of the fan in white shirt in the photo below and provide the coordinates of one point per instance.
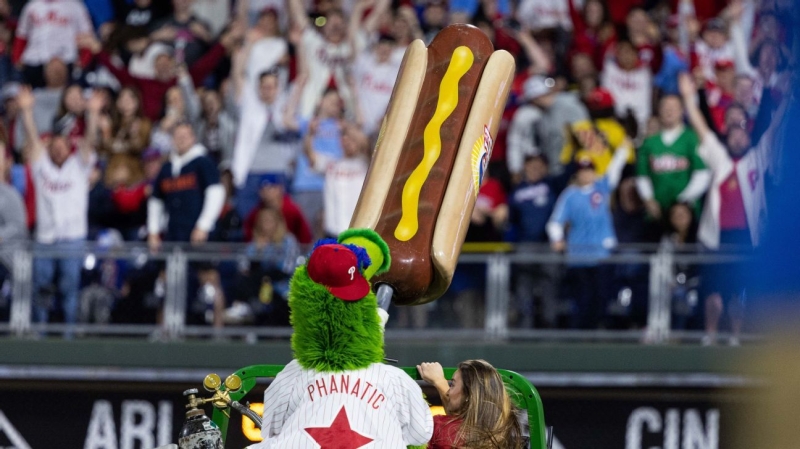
(49, 29)
(325, 56)
(542, 14)
(376, 65)
(375, 73)
(344, 177)
(630, 83)
(713, 47)
(61, 180)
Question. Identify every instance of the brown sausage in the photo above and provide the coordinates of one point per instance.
(412, 269)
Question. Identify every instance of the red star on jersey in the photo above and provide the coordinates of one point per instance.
(339, 435)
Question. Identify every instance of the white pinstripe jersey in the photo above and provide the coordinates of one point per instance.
(376, 407)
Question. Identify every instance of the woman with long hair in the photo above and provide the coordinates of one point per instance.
(69, 120)
(480, 414)
(262, 285)
(130, 129)
(593, 29)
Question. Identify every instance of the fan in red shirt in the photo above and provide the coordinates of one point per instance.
(490, 213)
(593, 31)
(479, 411)
(720, 94)
(153, 90)
(274, 195)
(643, 33)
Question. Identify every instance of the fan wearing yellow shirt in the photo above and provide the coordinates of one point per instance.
(596, 139)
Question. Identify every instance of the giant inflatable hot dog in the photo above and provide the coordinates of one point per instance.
(430, 157)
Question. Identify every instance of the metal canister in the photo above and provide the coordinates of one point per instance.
(198, 432)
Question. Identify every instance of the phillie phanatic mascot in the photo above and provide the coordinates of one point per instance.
(337, 393)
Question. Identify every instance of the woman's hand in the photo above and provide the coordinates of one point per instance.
(431, 372)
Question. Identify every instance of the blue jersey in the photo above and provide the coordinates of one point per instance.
(531, 207)
(586, 210)
(183, 195)
(327, 141)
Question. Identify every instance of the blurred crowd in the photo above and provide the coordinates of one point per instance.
(630, 121)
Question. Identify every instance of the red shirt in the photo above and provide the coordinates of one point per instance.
(445, 432)
(618, 9)
(718, 102)
(732, 215)
(295, 221)
(492, 193)
(129, 199)
(587, 40)
(153, 90)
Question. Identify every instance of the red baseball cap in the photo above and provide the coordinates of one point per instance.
(599, 98)
(336, 267)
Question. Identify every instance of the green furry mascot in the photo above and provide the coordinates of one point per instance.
(337, 393)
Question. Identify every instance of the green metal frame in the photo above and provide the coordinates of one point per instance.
(521, 391)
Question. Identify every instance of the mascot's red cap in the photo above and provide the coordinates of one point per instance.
(336, 267)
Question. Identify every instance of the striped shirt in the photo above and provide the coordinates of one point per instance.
(376, 407)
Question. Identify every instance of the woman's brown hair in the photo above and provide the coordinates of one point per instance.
(489, 417)
(280, 223)
(122, 138)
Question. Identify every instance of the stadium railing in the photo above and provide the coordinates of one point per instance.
(498, 260)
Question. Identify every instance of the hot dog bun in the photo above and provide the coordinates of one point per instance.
(446, 105)
(473, 154)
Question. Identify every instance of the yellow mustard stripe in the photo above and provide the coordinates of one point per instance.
(460, 63)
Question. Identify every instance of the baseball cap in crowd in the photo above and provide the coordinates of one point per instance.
(336, 267)
(716, 24)
(585, 162)
(10, 90)
(158, 49)
(272, 179)
(537, 86)
(599, 99)
(724, 64)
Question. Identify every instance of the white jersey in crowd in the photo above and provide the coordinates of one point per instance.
(750, 171)
(343, 181)
(376, 407)
(323, 60)
(708, 57)
(51, 28)
(543, 14)
(631, 89)
(62, 198)
(375, 82)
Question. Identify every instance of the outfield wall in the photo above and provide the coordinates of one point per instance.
(127, 394)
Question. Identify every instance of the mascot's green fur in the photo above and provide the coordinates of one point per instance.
(329, 334)
(332, 335)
